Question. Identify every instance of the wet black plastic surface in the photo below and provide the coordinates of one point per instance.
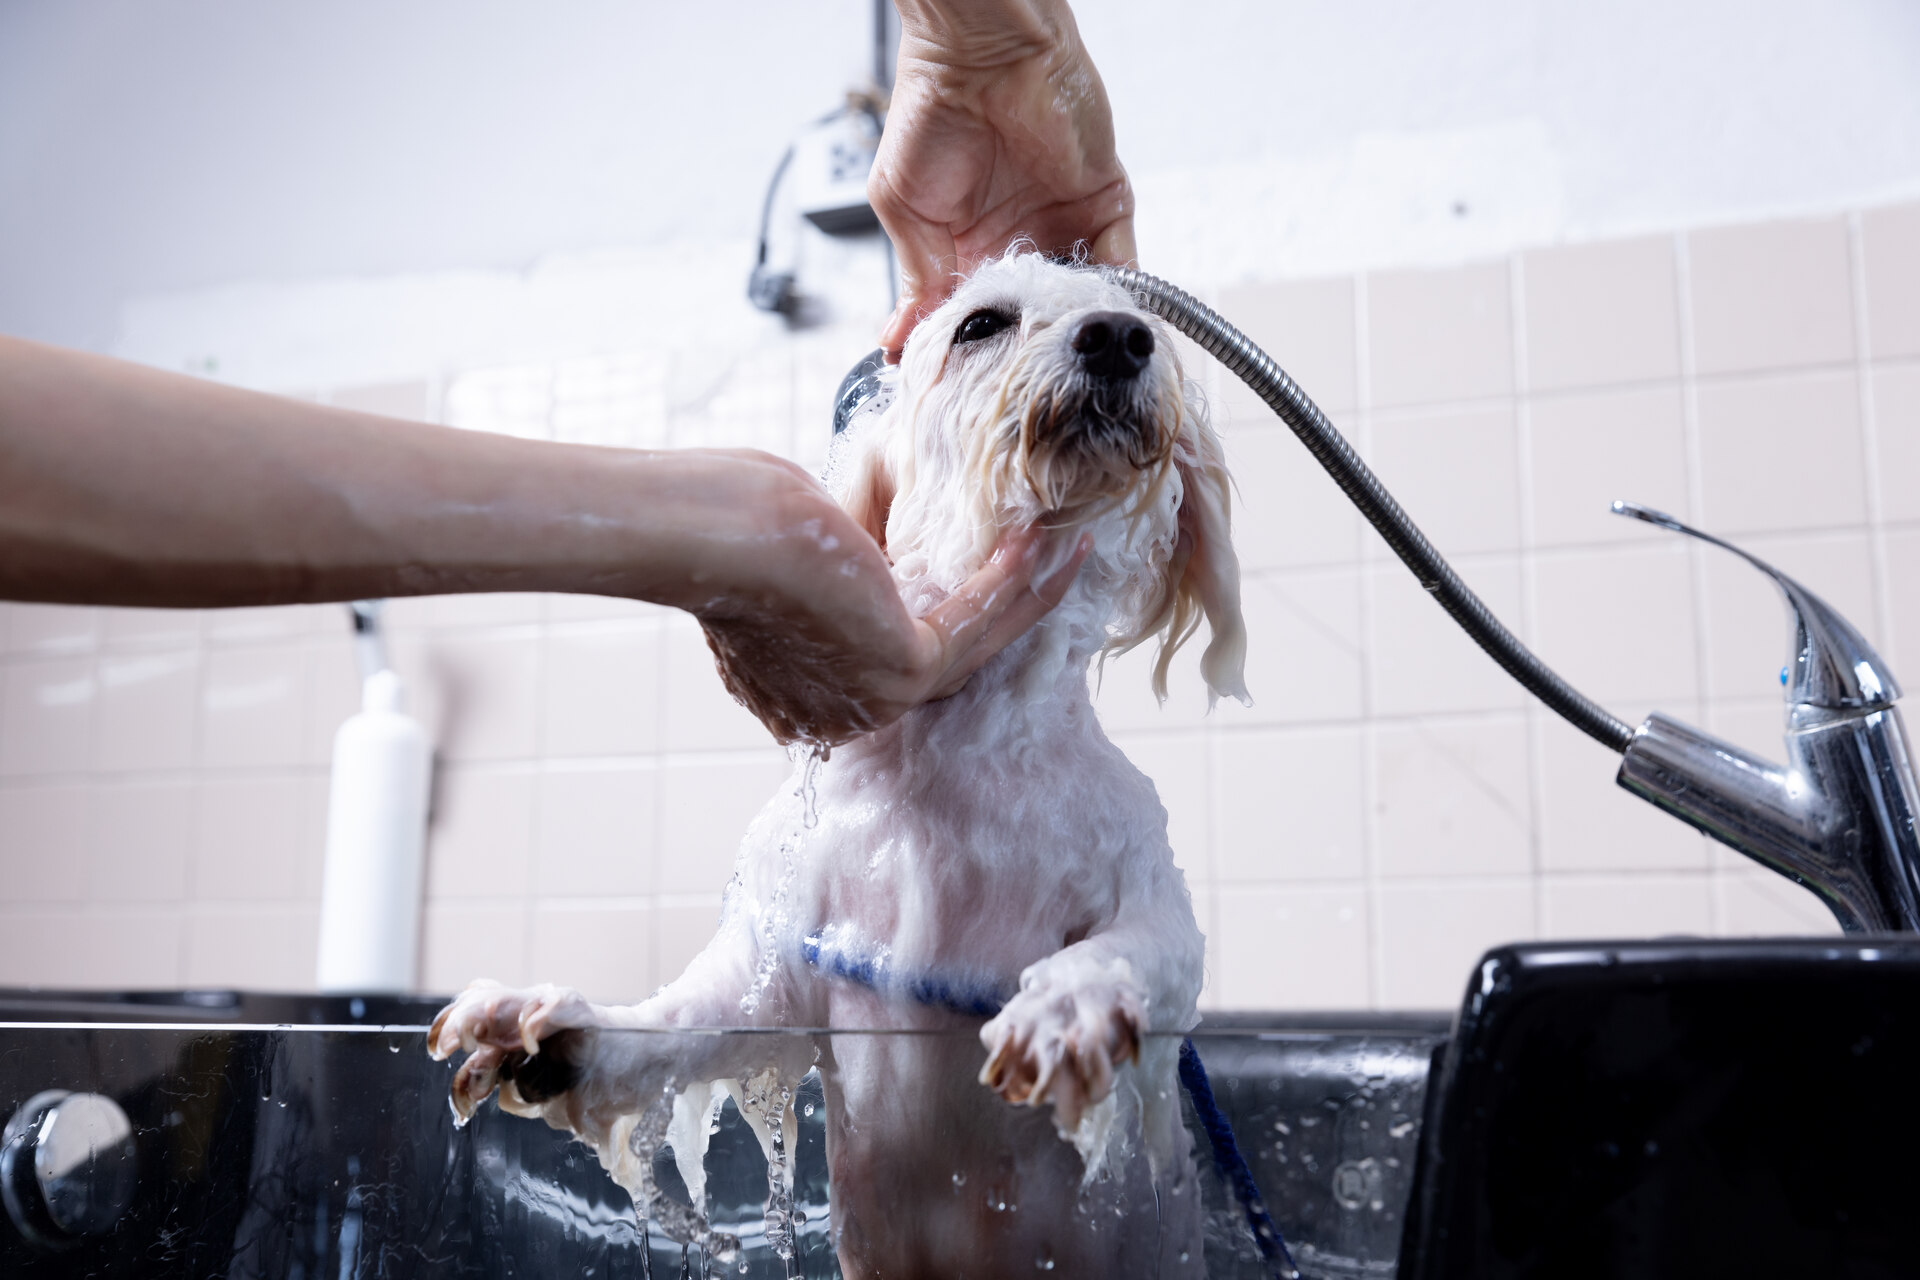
(1684, 1109)
(301, 1153)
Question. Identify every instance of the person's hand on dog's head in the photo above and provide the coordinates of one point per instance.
(806, 623)
(998, 130)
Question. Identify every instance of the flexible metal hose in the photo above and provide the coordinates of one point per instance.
(1270, 382)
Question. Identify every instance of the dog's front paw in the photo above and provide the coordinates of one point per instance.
(1061, 1038)
(528, 1044)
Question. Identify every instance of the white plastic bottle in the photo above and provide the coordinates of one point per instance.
(376, 837)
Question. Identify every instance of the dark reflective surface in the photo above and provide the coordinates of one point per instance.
(1685, 1109)
(304, 1152)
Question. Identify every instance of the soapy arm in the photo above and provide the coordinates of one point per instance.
(125, 485)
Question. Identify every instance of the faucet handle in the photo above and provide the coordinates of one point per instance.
(1834, 668)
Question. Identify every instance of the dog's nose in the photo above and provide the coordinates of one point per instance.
(1113, 344)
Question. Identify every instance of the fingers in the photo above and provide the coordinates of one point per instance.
(927, 257)
(994, 606)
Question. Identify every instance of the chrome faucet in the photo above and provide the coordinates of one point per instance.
(1839, 817)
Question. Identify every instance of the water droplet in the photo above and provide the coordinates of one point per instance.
(1043, 1261)
(807, 1110)
(1402, 1129)
(393, 1048)
(959, 1180)
(1183, 1255)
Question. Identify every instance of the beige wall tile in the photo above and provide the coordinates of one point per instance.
(1896, 419)
(1757, 903)
(269, 623)
(1618, 623)
(1181, 770)
(1782, 453)
(594, 833)
(705, 807)
(1456, 474)
(49, 630)
(603, 693)
(606, 953)
(463, 941)
(139, 842)
(699, 713)
(1287, 512)
(151, 628)
(1452, 798)
(333, 694)
(479, 697)
(1432, 936)
(146, 714)
(1775, 295)
(254, 946)
(1122, 689)
(1602, 314)
(1289, 805)
(247, 838)
(251, 706)
(1890, 241)
(1589, 823)
(39, 947)
(1903, 580)
(682, 929)
(1639, 906)
(1423, 664)
(126, 948)
(1747, 620)
(1307, 327)
(577, 608)
(46, 716)
(480, 840)
(1292, 947)
(1439, 335)
(1588, 450)
(1304, 648)
(43, 844)
(487, 609)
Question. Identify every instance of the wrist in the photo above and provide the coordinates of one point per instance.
(984, 33)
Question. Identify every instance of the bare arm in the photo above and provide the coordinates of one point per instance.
(125, 485)
(999, 128)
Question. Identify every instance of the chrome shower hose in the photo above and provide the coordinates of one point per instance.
(1270, 382)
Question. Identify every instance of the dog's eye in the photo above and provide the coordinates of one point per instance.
(981, 324)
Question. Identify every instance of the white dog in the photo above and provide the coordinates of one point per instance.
(991, 853)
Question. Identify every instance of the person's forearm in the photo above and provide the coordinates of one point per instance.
(126, 485)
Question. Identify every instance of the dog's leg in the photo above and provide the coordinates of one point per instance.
(1080, 1013)
(582, 1066)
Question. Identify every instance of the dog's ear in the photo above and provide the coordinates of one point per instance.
(1204, 573)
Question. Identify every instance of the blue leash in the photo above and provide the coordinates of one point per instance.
(982, 1002)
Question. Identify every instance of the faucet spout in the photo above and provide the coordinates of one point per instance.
(1840, 817)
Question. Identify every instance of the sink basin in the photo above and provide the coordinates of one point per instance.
(1677, 1108)
(328, 1149)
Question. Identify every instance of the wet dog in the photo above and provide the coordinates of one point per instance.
(989, 862)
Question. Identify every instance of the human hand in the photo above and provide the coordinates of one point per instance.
(999, 128)
(807, 626)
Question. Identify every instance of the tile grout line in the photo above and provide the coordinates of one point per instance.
(1696, 550)
(1529, 568)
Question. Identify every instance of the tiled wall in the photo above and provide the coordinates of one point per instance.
(1391, 804)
